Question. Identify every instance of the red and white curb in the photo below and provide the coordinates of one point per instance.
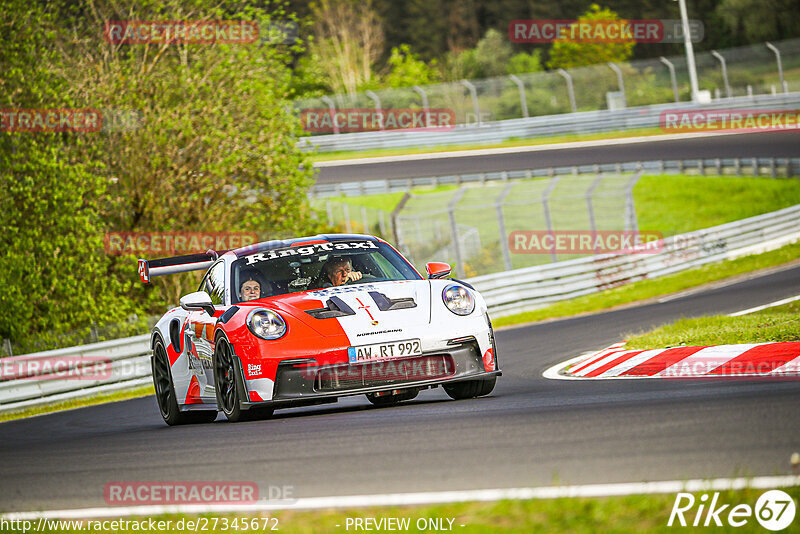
(765, 360)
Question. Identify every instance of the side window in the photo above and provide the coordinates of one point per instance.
(214, 283)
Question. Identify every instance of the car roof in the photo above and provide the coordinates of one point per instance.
(285, 243)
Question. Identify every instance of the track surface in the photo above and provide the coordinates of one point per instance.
(530, 432)
(760, 145)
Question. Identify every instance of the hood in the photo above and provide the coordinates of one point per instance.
(367, 313)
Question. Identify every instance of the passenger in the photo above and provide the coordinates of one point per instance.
(253, 286)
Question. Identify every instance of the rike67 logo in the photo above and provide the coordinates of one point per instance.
(774, 510)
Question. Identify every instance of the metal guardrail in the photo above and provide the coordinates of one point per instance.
(542, 126)
(525, 289)
(505, 292)
(773, 167)
(65, 374)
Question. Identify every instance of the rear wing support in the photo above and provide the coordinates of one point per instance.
(175, 264)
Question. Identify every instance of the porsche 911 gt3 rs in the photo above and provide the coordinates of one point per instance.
(305, 321)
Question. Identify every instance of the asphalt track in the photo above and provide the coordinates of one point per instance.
(530, 432)
(750, 145)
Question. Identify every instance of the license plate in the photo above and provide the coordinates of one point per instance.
(384, 351)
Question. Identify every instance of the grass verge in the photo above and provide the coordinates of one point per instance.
(568, 138)
(780, 323)
(78, 403)
(647, 289)
(635, 513)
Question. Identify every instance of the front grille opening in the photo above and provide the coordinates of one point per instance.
(390, 372)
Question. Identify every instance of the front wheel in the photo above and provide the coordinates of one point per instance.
(470, 388)
(165, 393)
(229, 393)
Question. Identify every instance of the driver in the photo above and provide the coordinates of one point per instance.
(338, 271)
(253, 286)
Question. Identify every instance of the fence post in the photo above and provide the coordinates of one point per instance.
(570, 89)
(382, 223)
(421, 92)
(724, 67)
(546, 207)
(346, 211)
(329, 211)
(620, 81)
(501, 225)
(364, 219)
(780, 66)
(376, 99)
(631, 222)
(454, 230)
(474, 93)
(589, 207)
(523, 102)
(332, 108)
(393, 217)
(7, 347)
(672, 77)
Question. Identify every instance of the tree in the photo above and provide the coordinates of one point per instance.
(348, 41)
(55, 275)
(406, 69)
(568, 53)
(760, 20)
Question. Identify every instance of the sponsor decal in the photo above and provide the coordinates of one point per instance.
(309, 250)
(603, 31)
(585, 242)
(379, 332)
(173, 243)
(253, 370)
(328, 291)
(708, 120)
(774, 510)
(325, 120)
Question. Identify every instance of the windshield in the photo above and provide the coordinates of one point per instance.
(316, 266)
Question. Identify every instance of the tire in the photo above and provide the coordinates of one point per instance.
(165, 393)
(226, 384)
(470, 389)
(391, 400)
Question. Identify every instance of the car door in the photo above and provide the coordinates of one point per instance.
(200, 330)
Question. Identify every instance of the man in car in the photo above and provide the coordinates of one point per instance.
(338, 271)
(253, 286)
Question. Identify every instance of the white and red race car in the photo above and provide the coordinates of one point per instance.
(305, 321)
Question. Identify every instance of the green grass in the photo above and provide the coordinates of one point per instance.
(781, 323)
(675, 204)
(78, 403)
(330, 156)
(647, 289)
(635, 513)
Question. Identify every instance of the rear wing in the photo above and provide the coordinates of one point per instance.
(175, 264)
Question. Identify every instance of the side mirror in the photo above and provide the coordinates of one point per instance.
(199, 300)
(437, 269)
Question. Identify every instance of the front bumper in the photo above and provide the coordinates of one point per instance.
(296, 383)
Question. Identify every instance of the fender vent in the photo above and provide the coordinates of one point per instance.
(335, 307)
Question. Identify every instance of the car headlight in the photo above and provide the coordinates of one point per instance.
(266, 324)
(458, 299)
